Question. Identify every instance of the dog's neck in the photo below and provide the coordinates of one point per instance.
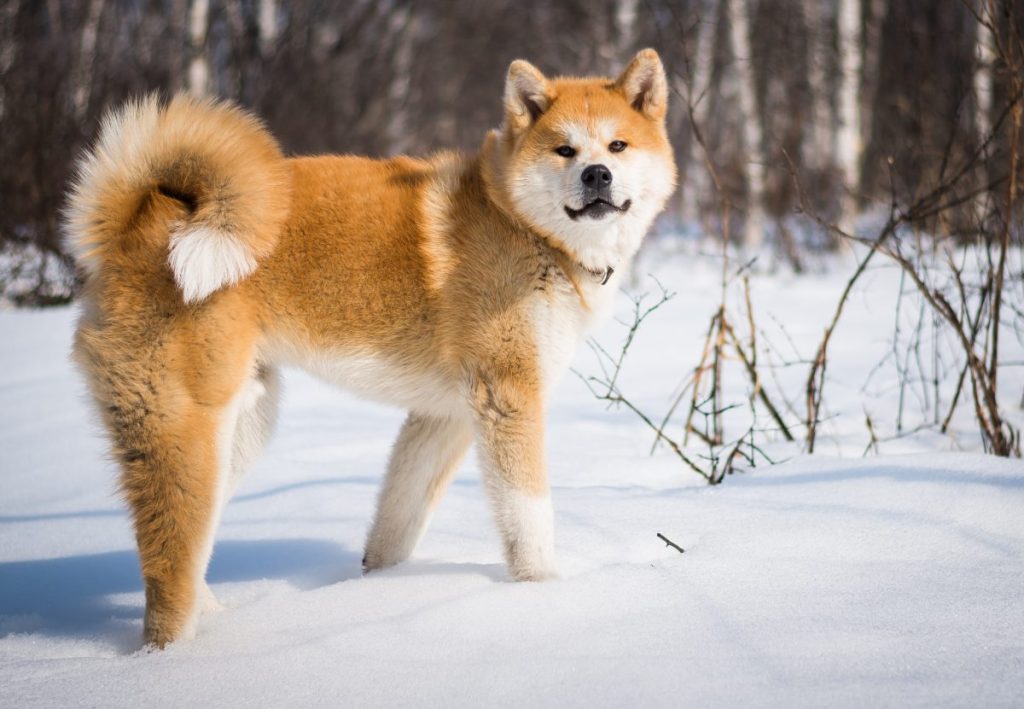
(491, 170)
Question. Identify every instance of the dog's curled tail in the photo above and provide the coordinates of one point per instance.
(223, 170)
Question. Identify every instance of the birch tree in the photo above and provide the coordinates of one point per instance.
(625, 28)
(849, 145)
(750, 121)
(83, 79)
(870, 74)
(8, 46)
(403, 27)
(199, 65)
(984, 60)
(819, 135)
(698, 93)
(268, 27)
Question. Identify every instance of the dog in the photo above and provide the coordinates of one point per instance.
(456, 287)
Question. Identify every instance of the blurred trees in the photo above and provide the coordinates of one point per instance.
(858, 101)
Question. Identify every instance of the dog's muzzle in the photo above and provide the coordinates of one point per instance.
(597, 209)
(597, 194)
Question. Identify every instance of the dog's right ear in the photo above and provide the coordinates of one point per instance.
(527, 95)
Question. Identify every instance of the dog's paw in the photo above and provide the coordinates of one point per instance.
(532, 563)
(160, 629)
(527, 526)
(385, 550)
(543, 573)
(376, 562)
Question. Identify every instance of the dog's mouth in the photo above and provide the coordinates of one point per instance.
(597, 209)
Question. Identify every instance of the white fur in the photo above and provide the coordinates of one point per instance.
(526, 523)
(422, 462)
(204, 260)
(560, 324)
(558, 330)
(256, 418)
(542, 191)
(377, 378)
(120, 159)
(591, 140)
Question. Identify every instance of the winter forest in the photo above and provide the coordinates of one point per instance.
(788, 112)
(786, 473)
(801, 127)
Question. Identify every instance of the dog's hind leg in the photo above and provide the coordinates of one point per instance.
(423, 461)
(172, 423)
(257, 405)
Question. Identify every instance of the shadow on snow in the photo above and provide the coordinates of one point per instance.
(71, 596)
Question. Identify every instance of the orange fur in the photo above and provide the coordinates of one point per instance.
(429, 284)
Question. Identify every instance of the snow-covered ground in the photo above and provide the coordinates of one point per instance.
(894, 580)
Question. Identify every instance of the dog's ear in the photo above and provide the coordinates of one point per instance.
(527, 95)
(644, 86)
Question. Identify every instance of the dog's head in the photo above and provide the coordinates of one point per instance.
(586, 162)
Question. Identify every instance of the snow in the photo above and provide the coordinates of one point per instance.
(31, 275)
(825, 580)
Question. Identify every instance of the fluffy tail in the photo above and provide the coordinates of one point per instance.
(219, 162)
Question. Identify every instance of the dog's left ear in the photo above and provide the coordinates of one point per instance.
(527, 95)
(644, 86)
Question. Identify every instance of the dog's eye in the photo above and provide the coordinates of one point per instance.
(617, 146)
(566, 151)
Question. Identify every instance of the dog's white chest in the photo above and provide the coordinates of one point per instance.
(561, 323)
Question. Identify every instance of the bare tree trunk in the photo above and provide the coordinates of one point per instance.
(871, 71)
(750, 119)
(53, 10)
(230, 83)
(402, 25)
(177, 25)
(82, 83)
(8, 46)
(984, 54)
(268, 26)
(695, 178)
(984, 61)
(849, 144)
(199, 65)
(819, 139)
(625, 29)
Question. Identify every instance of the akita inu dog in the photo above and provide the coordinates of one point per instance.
(456, 287)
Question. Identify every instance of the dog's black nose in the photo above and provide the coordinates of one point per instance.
(596, 177)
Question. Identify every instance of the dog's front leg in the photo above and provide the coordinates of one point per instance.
(510, 435)
(422, 464)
